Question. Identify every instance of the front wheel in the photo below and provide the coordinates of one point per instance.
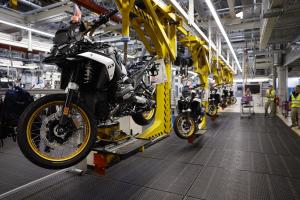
(184, 126)
(233, 100)
(212, 110)
(47, 144)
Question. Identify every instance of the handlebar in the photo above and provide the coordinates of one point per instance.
(219, 85)
(199, 86)
(113, 12)
(103, 19)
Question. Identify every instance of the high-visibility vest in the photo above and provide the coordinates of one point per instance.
(295, 101)
(270, 94)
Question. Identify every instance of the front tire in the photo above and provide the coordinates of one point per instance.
(39, 140)
(212, 110)
(233, 100)
(184, 126)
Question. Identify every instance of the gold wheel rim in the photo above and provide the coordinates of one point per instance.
(148, 114)
(192, 128)
(213, 111)
(72, 155)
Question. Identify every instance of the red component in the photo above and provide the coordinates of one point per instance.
(100, 163)
(191, 139)
(89, 4)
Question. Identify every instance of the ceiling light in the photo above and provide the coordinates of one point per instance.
(194, 25)
(218, 21)
(240, 15)
(26, 28)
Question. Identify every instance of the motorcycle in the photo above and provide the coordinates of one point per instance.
(190, 112)
(59, 130)
(214, 100)
(231, 99)
(227, 98)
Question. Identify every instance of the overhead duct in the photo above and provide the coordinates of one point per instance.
(30, 4)
(277, 59)
(51, 6)
(277, 12)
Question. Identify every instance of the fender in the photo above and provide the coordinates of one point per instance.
(108, 62)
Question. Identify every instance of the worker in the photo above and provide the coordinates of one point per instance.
(270, 101)
(295, 105)
(248, 92)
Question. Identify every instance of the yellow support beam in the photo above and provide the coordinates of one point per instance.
(160, 33)
(141, 34)
(13, 4)
(125, 7)
(158, 28)
(216, 71)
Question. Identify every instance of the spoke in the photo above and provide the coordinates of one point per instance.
(35, 140)
(36, 143)
(62, 152)
(36, 122)
(35, 133)
(36, 137)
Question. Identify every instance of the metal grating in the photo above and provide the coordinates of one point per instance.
(234, 160)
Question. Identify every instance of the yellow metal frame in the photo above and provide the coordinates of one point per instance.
(216, 71)
(154, 29)
(201, 66)
(158, 27)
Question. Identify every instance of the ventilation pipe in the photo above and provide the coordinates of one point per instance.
(30, 4)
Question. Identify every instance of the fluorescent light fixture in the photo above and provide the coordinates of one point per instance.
(252, 80)
(26, 28)
(186, 16)
(218, 21)
(194, 25)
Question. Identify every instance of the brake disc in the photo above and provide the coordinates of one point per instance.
(44, 130)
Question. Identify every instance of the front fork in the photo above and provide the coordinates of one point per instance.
(71, 91)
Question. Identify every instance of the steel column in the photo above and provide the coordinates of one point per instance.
(282, 83)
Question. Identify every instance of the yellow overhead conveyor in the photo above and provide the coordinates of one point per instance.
(158, 27)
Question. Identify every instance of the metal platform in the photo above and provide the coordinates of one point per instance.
(235, 160)
(122, 149)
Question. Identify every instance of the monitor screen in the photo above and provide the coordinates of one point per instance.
(255, 89)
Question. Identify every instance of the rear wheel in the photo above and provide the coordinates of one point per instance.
(48, 145)
(144, 118)
(184, 126)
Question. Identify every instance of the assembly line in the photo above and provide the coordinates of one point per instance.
(149, 99)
